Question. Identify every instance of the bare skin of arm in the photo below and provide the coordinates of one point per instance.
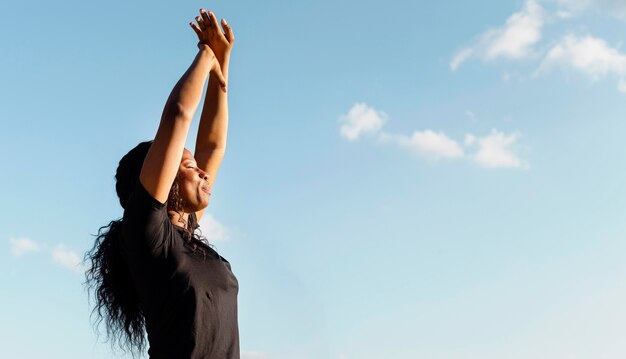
(213, 129)
(163, 159)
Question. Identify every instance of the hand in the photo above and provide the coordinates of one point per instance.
(209, 33)
(215, 67)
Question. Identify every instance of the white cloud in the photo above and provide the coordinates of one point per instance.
(213, 230)
(460, 58)
(613, 8)
(563, 14)
(253, 355)
(428, 143)
(589, 55)
(361, 119)
(494, 150)
(514, 40)
(20, 246)
(67, 258)
(519, 38)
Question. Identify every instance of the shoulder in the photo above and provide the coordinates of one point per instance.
(145, 221)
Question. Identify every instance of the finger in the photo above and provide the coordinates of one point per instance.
(196, 29)
(205, 18)
(213, 21)
(201, 23)
(228, 31)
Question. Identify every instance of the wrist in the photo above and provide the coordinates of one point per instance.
(223, 58)
(204, 48)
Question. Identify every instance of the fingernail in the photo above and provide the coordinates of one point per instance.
(225, 23)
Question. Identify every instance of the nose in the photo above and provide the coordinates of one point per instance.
(203, 174)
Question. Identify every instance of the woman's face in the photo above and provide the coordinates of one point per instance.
(193, 184)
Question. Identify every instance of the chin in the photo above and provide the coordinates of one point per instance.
(202, 205)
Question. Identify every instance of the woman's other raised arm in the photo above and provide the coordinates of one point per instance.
(163, 159)
(213, 128)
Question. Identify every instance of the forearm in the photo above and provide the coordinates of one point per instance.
(213, 129)
(187, 93)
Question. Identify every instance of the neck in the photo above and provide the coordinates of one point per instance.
(177, 219)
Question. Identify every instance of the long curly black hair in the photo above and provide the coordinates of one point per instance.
(108, 277)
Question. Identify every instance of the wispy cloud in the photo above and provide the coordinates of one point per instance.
(612, 8)
(460, 57)
(360, 120)
(589, 55)
(23, 245)
(213, 230)
(428, 143)
(514, 40)
(495, 150)
(520, 36)
(67, 258)
(60, 255)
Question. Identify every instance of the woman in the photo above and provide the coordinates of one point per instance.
(150, 270)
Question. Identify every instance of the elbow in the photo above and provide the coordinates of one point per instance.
(220, 148)
(216, 142)
(211, 150)
(213, 147)
(179, 112)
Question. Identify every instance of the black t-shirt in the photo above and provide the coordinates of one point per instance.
(189, 298)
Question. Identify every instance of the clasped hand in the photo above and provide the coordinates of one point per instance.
(220, 43)
(209, 33)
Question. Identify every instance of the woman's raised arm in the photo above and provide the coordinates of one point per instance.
(163, 159)
(213, 128)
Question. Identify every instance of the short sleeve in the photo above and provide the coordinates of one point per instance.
(145, 221)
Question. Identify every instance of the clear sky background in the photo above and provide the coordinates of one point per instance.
(403, 179)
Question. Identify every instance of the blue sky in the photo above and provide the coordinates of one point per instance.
(403, 179)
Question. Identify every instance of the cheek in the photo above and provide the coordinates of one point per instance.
(188, 185)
